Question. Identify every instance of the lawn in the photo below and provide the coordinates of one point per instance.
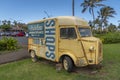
(27, 70)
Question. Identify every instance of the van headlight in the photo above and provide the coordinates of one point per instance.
(91, 48)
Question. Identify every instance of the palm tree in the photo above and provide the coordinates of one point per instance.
(105, 13)
(112, 28)
(91, 4)
(119, 26)
(15, 23)
(9, 22)
(4, 22)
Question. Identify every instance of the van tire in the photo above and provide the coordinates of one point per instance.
(33, 56)
(67, 64)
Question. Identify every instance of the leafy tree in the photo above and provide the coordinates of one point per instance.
(15, 23)
(22, 26)
(6, 27)
(91, 4)
(112, 28)
(4, 22)
(104, 14)
(119, 26)
(91, 24)
(9, 22)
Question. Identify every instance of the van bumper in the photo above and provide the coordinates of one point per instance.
(81, 62)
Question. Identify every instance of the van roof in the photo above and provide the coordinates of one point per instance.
(65, 20)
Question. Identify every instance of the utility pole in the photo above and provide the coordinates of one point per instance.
(72, 7)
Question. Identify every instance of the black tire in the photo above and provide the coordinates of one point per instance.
(68, 64)
(33, 56)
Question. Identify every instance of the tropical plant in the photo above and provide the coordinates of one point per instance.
(119, 26)
(15, 23)
(91, 4)
(8, 43)
(112, 28)
(5, 27)
(22, 26)
(104, 14)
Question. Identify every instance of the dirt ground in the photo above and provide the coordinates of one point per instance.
(14, 56)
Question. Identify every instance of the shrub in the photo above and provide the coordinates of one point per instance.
(8, 43)
(2, 45)
(110, 37)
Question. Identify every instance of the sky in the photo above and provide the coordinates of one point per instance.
(30, 10)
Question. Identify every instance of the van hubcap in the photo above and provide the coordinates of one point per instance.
(65, 63)
(32, 54)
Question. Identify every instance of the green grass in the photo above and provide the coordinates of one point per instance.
(27, 70)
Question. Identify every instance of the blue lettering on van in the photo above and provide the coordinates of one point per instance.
(50, 31)
(50, 39)
(50, 23)
(52, 55)
(51, 47)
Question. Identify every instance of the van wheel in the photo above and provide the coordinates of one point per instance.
(68, 64)
(33, 56)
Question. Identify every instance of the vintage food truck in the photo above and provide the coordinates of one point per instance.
(65, 39)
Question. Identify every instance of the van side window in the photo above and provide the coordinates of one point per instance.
(67, 33)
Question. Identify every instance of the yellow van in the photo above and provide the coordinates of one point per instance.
(64, 39)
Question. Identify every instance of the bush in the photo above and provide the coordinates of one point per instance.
(8, 44)
(2, 45)
(110, 37)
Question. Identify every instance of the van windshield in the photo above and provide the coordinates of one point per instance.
(85, 32)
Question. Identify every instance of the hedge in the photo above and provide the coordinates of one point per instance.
(109, 38)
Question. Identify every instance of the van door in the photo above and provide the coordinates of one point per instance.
(38, 45)
(68, 41)
(42, 48)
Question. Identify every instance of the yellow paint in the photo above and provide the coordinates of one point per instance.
(82, 50)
